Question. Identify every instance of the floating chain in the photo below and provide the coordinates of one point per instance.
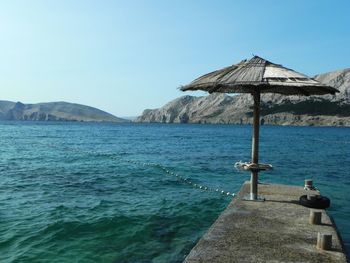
(180, 178)
(183, 179)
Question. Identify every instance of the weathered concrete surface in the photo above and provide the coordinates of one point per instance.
(276, 230)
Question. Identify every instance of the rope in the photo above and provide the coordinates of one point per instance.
(180, 178)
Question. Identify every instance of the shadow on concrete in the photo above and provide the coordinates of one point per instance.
(283, 201)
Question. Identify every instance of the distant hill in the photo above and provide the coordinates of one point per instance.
(328, 110)
(130, 118)
(54, 111)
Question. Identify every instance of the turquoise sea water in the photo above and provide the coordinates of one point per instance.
(77, 192)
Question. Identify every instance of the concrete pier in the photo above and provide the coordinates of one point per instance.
(277, 230)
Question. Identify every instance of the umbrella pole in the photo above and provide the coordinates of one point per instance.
(255, 146)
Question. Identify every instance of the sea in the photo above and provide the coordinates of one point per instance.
(92, 192)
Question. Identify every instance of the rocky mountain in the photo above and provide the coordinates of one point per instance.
(328, 110)
(54, 111)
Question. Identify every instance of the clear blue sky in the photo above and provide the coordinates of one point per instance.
(125, 56)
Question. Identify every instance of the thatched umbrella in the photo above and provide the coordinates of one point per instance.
(256, 76)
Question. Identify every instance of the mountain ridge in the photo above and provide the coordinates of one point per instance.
(276, 109)
(54, 111)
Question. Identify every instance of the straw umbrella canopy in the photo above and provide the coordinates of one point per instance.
(256, 76)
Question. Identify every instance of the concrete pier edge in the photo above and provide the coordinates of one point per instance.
(277, 230)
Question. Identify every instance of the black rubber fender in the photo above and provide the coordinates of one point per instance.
(320, 202)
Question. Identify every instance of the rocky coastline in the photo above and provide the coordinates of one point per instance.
(329, 110)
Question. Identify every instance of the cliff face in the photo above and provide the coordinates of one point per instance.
(54, 111)
(328, 110)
